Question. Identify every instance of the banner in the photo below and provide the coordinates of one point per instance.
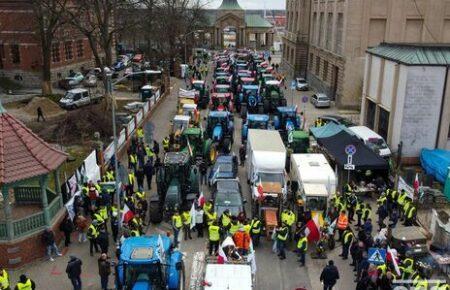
(71, 207)
(92, 170)
(408, 189)
(139, 116)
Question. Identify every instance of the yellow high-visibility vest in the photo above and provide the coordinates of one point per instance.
(176, 221)
(24, 286)
(4, 280)
(303, 242)
(213, 231)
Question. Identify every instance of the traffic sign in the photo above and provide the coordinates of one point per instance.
(305, 99)
(377, 256)
(350, 149)
(291, 136)
(293, 84)
(349, 166)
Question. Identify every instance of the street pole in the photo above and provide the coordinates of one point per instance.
(185, 49)
(109, 94)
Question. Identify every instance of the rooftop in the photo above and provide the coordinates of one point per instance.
(230, 5)
(414, 53)
(255, 20)
(23, 154)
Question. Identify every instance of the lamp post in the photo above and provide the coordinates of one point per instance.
(109, 94)
(185, 43)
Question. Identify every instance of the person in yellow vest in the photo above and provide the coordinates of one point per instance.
(213, 237)
(401, 199)
(186, 215)
(319, 122)
(246, 226)
(103, 211)
(442, 286)
(177, 224)
(25, 283)
(108, 176)
(225, 221)
(166, 144)
(92, 235)
(366, 212)
(140, 194)
(410, 216)
(135, 233)
(255, 231)
(149, 152)
(302, 247)
(207, 207)
(348, 238)
(404, 210)
(140, 134)
(4, 279)
(359, 210)
(97, 216)
(282, 234)
(132, 161)
(235, 225)
(210, 217)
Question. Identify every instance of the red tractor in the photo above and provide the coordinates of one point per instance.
(221, 99)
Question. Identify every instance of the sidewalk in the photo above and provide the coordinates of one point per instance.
(52, 275)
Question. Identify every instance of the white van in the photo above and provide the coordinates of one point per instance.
(372, 140)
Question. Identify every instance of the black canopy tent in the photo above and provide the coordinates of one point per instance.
(363, 159)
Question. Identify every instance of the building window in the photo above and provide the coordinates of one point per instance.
(329, 35)
(325, 71)
(293, 56)
(313, 29)
(321, 24)
(339, 32)
(370, 116)
(56, 57)
(80, 48)
(68, 50)
(317, 65)
(383, 123)
(311, 61)
(2, 54)
(15, 53)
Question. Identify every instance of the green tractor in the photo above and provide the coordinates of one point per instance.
(273, 97)
(191, 141)
(178, 183)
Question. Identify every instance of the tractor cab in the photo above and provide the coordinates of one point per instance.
(300, 142)
(203, 94)
(223, 80)
(254, 121)
(219, 128)
(273, 96)
(198, 85)
(247, 81)
(192, 111)
(179, 124)
(286, 121)
(266, 77)
(221, 99)
(250, 100)
(241, 66)
(149, 262)
(146, 92)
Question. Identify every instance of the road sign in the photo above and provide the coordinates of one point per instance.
(349, 166)
(291, 136)
(305, 99)
(350, 149)
(293, 84)
(377, 256)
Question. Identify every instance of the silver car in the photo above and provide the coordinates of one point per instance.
(302, 85)
(320, 101)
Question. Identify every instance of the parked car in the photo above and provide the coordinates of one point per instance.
(338, 120)
(372, 140)
(320, 100)
(71, 81)
(77, 98)
(225, 167)
(90, 80)
(227, 194)
(302, 85)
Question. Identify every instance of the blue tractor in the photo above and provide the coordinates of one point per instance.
(254, 121)
(286, 121)
(250, 101)
(220, 128)
(149, 262)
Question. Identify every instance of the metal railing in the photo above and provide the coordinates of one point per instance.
(29, 224)
(54, 207)
(3, 231)
(31, 195)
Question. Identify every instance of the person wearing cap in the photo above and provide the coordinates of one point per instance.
(104, 270)
(73, 271)
(242, 241)
(25, 283)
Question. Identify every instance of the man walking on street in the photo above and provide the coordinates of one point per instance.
(148, 171)
(73, 271)
(40, 114)
(48, 237)
(214, 238)
(177, 224)
(282, 235)
(104, 270)
(67, 228)
(302, 247)
(203, 172)
(329, 276)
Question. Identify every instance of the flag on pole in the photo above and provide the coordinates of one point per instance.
(416, 183)
(252, 257)
(260, 191)
(312, 229)
(222, 258)
(394, 260)
(161, 253)
(193, 216)
(201, 200)
(127, 214)
(216, 173)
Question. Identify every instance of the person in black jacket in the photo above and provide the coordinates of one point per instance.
(73, 271)
(67, 228)
(48, 238)
(148, 171)
(103, 241)
(329, 276)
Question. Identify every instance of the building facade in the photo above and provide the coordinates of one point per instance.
(406, 96)
(20, 48)
(296, 38)
(340, 31)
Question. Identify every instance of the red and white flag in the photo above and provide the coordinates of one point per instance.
(127, 214)
(416, 183)
(222, 258)
(201, 200)
(312, 231)
(260, 191)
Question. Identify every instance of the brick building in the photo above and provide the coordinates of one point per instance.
(340, 31)
(20, 49)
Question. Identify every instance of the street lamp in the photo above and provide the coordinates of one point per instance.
(185, 43)
(109, 94)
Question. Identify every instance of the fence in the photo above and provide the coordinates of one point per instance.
(29, 224)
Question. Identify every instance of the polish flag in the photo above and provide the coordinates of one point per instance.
(127, 214)
(260, 191)
(222, 258)
(201, 200)
(312, 231)
(416, 183)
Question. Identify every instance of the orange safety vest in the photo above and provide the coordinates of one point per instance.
(242, 240)
(342, 222)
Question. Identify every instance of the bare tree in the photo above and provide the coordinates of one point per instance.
(48, 19)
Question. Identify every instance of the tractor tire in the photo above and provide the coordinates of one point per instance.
(156, 214)
(260, 109)
(227, 145)
(207, 150)
(266, 106)
(213, 153)
(244, 111)
(283, 102)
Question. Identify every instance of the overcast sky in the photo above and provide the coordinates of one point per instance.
(253, 4)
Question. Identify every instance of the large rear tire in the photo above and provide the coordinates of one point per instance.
(227, 145)
(156, 214)
(213, 152)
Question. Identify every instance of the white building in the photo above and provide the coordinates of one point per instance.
(406, 97)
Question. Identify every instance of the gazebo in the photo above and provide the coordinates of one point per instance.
(28, 205)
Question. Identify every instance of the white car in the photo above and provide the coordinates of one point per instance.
(302, 85)
(320, 100)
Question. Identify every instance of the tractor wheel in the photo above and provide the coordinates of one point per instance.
(260, 109)
(156, 214)
(283, 102)
(266, 106)
(244, 111)
(227, 145)
(213, 152)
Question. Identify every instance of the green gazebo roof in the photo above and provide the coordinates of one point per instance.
(230, 5)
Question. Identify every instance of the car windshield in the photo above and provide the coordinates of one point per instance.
(143, 272)
(376, 143)
(346, 122)
(257, 124)
(228, 199)
(322, 98)
(69, 95)
(179, 125)
(271, 177)
(221, 90)
(301, 81)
